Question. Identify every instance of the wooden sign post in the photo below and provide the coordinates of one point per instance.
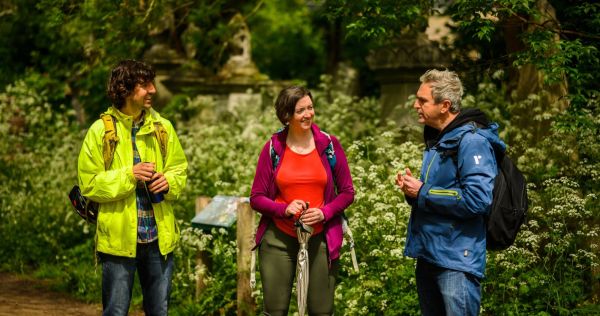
(245, 241)
(223, 211)
(202, 259)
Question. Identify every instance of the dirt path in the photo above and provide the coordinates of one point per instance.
(25, 296)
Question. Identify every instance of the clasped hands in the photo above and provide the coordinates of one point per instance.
(408, 184)
(144, 171)
(311, 215)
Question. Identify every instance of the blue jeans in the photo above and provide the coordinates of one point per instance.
(447, 292)
(154, 271)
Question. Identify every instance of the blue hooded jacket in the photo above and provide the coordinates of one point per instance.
(447, 226)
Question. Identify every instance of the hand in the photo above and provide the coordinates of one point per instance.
(409, 184)
(143, 171)
(312, 216)
(295, 207)
(400, 180)
(159, 183)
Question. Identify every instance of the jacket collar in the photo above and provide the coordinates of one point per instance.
(279, 139)
(150, 116)
(451, 139)
(466, 116)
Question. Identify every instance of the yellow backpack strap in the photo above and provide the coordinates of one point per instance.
(110, 139)
(161, 135)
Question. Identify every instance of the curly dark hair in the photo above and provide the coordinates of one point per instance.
(285, 105)
(124, 77)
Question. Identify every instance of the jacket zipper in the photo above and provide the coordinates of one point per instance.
(429, 167)
(445, 193)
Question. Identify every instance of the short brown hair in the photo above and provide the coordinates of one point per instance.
(285, 105)
(124, 77)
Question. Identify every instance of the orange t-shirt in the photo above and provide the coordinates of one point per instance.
(300, 177)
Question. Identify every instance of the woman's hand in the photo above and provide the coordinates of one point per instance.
(294, 208)
(312, 216)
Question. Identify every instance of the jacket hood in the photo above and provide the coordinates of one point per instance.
(150, 116)
(433, 136)
(468, 120)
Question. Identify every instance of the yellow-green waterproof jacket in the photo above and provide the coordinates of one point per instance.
(114, 189)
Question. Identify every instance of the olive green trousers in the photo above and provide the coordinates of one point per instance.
(277, 255)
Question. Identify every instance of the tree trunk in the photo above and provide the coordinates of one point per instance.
(528, 80)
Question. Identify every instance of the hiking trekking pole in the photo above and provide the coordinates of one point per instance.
(302, 270)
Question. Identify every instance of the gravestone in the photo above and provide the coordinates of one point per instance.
(237, 83)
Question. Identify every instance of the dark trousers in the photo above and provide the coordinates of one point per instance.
(278, 254)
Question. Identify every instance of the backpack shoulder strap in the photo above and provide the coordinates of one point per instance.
(109, 140)
(274, 155)
(163, 138)
(272, 152)
(330, 152)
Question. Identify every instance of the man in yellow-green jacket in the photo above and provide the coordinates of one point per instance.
(136, 227)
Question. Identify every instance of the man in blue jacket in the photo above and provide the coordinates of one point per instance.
(446, 231)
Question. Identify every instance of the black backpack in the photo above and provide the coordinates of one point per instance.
(509, 205)
(509, 202)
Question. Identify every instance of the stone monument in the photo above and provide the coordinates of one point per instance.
(398, 67)
(239, 67)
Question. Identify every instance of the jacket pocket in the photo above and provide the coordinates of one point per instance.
(449, 193)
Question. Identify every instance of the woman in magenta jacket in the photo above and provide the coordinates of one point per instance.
(280, 200)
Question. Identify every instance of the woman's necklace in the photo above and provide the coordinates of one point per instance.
(302, 146)
(301, 149)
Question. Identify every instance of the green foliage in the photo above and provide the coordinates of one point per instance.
(547, 269)
(222, 148)
(479, 18)
(64, 51)
(222, 163)
(378, 289)
(220, 293)
(378, 20)
(76, 43)
(375, 155)
(563, 46)
(73, 42)
(76, 271)
(286, 27)
(216, 168)
(37, 162)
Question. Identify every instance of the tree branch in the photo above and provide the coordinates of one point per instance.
(555, 30)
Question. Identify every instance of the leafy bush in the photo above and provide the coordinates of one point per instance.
(37, 164)
(546, 270)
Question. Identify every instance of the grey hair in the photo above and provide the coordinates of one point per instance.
(445, 85)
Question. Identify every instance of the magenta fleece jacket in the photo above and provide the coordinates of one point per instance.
(264, 189)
